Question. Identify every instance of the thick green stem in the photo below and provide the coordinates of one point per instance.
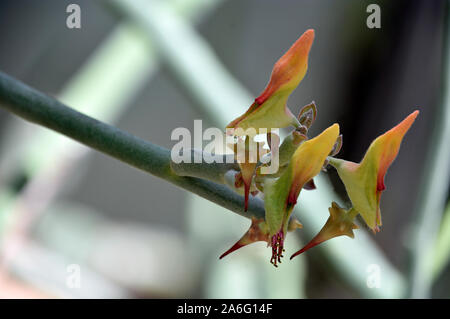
(38, 108)
(214, 171)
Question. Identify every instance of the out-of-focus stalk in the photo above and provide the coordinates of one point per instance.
(43, 110)
(441, 252)
(434, 186)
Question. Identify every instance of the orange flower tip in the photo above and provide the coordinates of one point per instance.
(305, 41)
(409, 120)
(404, 125)
(400, 129)
(256, 232)
(309, 33)
(233, 248)
(293, 58)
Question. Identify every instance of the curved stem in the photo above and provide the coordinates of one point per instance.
(41, 109)
(214, 171)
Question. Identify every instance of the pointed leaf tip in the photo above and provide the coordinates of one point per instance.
(290, 69)
(340, 223)
(236, 246)
(257, 232)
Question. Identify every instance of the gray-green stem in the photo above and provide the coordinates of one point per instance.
(41, 109)
(214, 171)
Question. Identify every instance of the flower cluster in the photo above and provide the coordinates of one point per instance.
(301, 158)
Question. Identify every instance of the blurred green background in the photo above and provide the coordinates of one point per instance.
(152, 66)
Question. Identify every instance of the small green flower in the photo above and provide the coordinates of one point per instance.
(364, 182)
